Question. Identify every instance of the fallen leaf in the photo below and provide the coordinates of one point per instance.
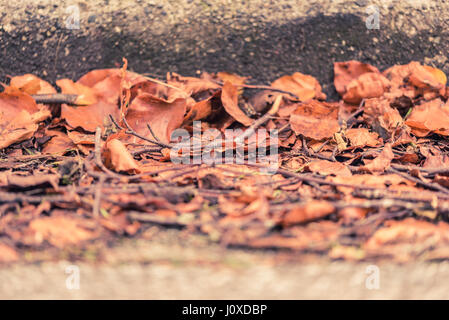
(368, 85)
(118, 157)
(303, 86)
(345, 72)
(229, 98)
(310, 211)
(59, 231)
(382, 161)
(315, 120)
(325, 167)
(432, 116)
(361, 137)
(426, 77)
(7, 254)
(31, 84)
(163, 116)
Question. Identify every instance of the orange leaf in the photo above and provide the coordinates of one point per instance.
(325, 168)
(361, 137)
(426, 77)
(315, 120)
(163, 116)
(31, 84)
(86, 95)
(229, 98)
(432, 116)
(368, 85)
(89, 117)
(345, 72)
(119, 158)
(310, 211)
(60, 231)
(382, 161)
(304, 86)
(7, 254)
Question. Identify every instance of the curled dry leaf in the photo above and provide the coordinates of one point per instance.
(426, 77)
(408, 230)
(7, 254)
(118, 157)
(382, 117)
(346, 72)
(325, 168)
(382, 161)
(60, 231)
(89, 117)
(86, 95)
(432, 116)
(198, 111)
(361, 137)
(59, 143)
(19, 116)
(232, 78)
(191, 85)
(31, 84)
(310, 211)
(37, 179)
(229, 98)
(368, 85)
(304, 86)
(315, 120)
(163, 116)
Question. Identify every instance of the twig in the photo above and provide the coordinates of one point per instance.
(429, 185)
(56, 98)
(134, 133)
(261, 87)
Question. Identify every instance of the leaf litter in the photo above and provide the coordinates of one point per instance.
(366, 177)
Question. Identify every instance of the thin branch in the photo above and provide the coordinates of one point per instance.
(55, 98)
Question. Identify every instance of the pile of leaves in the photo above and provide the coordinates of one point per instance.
(366, 177)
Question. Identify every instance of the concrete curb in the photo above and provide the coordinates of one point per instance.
(260, 38)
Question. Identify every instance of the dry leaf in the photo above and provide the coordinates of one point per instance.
(315, 120)
(229, 98)
(304, 86)
(310, 211)
(118, 157)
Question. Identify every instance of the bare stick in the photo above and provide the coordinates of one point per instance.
(56, 98)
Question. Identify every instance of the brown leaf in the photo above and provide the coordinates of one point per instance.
(118, 157)
(310, 211)
(31, 84)
(381, 116)
(36, 179)
(368, 85)
(345, 72)
(163, 116)
(325, 168)
(432, 116)
(304, 86)
(426, 77)
(60, 143)
(361, 137)
(315, 120)
(191, 85)
(89, 117)
(408, 230)
(7, 254)
(60, 231)
(229, 98)
(382, 161)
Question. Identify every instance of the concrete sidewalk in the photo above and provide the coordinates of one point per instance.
(169, 269)
(260, 38)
